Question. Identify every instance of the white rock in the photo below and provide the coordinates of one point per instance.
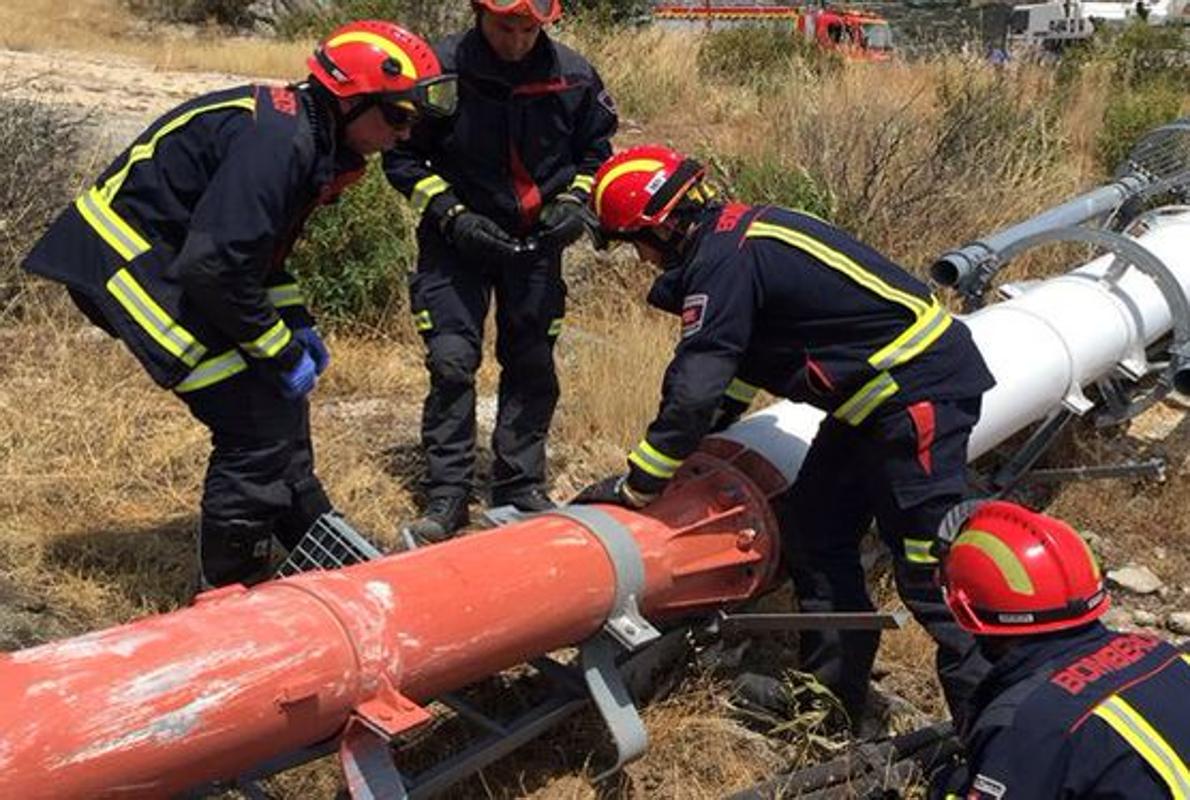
(1135, 579)
(1179, 622)
(1146, 618)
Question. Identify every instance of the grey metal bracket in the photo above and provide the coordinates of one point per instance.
(368, 766)
(612, 699)
(625, 623)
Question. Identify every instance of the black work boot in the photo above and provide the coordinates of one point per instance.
(527, 500)
(443, 517)
(233, 551)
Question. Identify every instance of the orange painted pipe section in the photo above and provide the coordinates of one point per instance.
(171, 702)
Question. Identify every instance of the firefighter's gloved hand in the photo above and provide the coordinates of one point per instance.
(298, 380)
(313, 344)
(564, 221)
(614, 491)
(478, 236)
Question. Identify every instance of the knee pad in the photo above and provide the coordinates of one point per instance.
(233, 551)
(452, 360)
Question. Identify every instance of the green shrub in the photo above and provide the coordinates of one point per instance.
(770, 179)
(757, 55)
(1130, 114)
(353, 260)
(1145, 56)
(432, 18)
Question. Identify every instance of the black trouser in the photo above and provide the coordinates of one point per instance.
(260, 478)
(905, 467)
(449, 298)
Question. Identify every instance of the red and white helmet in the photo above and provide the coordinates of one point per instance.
(543, 11)
(639, 187)
(384, 61)
(1012, 571)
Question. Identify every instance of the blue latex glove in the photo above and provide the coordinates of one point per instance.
(299, 381)
(312, 342)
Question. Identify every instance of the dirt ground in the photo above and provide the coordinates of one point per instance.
(701, 748)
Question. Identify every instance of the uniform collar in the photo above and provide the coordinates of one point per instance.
(1034, 652)
(482, 61)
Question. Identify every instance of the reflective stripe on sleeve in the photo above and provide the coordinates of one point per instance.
(583, 183)
(426, 190)
(285, 295)
(653, 461)
(555, 328)
(213, 370)
(860, 405)
(269, 343)
(422, 321)
(1145, 740)
(742, 392)
(163, 329)
(917, 551)
(914, 339)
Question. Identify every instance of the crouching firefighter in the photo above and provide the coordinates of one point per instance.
(1070, 708)
(178, 250)
(780, 300)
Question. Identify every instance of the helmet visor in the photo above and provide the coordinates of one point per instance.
(433, 97)
(541, 10)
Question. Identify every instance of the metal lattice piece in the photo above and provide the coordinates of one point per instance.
(1162, 158)
(330, 543)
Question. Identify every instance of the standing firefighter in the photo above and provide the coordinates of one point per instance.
(1070, 709)
(502, 188)
(779, 300)
(178, 250)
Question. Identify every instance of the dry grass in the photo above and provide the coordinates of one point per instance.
(101, 472)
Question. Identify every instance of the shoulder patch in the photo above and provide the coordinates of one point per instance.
(985, 788)
(694, 310)
(283, 99)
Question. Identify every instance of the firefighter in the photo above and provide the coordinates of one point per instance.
(502, 190)
(780, 300)
(178, 250)
(1070, 709)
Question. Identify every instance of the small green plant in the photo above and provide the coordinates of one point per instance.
(1129, 115)
(771, 179)
(432, 18)
(757, 55)
(353, 260)
(232, 13)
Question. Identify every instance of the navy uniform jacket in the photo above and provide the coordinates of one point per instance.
(522, 134)
(180, 243)
(779, 300)
(1093, 714)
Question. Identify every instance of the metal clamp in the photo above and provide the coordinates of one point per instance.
(625, 623)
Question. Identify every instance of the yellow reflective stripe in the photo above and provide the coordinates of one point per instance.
(914, 339)
(426, 190)
(653, 461)
(285, 295)
(838, 261)
(212, 371)
(1136, 730)
(110, 226)
(583, 182)
(1010, 566)
(634, 165)
(164, 330)
(741, 391)
(145, 150)
(269, 343)
(422, 321)
(917, 551)
(555, 327)
(384, 44)
(860, 405)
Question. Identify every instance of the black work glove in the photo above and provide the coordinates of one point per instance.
(477, 236)
(565, 219)
(614, 491)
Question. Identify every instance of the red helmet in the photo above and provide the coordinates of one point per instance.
(639, 187)
(543, 11)
(378, 58)
(1013, 571)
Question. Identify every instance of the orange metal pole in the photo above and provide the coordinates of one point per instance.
(168, 703)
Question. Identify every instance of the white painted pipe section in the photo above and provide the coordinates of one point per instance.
(1043, 346)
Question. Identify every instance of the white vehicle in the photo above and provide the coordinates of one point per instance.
(1057, 23)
